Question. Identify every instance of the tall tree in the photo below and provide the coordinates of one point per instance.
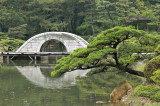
(89, 15)
(107, 11)
(18, 32)
(124, 9)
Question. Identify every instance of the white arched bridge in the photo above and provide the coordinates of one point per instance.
(70, 41)
(32, 48)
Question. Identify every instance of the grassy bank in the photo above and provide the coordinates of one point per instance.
(143, 95)
(134, 100)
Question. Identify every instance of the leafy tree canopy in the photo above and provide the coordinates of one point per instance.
(9, 44)
(114, 47)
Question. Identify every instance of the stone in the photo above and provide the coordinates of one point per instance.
(100, 102)
(120, 91)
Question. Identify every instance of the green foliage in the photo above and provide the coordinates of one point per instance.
(152, 66)
(82, 17)
(84, 29)
(130, 46)
(101, 69)
(157, 50)
(145, 91)
(10, 44)
(114, 36)
(156, 97)
(156, 76)
(112, 47)
(88, 38)
(18, 32)
(149, 91)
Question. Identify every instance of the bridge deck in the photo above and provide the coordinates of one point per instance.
(33, 53)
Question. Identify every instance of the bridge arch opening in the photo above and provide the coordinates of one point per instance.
(53, 45)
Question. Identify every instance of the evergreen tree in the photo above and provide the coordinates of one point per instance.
(107, 51)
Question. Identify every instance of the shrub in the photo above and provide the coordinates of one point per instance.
(156, 97)
(157, 50)
(151, 67)
(156, 76)
(145, 91)
(149, 91)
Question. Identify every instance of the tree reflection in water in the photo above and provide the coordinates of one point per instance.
(33, 85)
(104, 83)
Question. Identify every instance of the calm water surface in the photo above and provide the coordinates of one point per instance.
(27, 83)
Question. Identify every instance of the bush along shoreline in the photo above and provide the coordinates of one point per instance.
(149, 92)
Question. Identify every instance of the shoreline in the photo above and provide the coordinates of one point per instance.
(133, 100)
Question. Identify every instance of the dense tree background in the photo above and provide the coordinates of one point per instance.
(22, 19)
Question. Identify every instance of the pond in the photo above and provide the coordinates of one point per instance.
(25, 83)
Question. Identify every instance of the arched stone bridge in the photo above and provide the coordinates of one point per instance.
(70, 41)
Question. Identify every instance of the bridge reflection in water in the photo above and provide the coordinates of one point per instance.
(35, 75)
(39, 73)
